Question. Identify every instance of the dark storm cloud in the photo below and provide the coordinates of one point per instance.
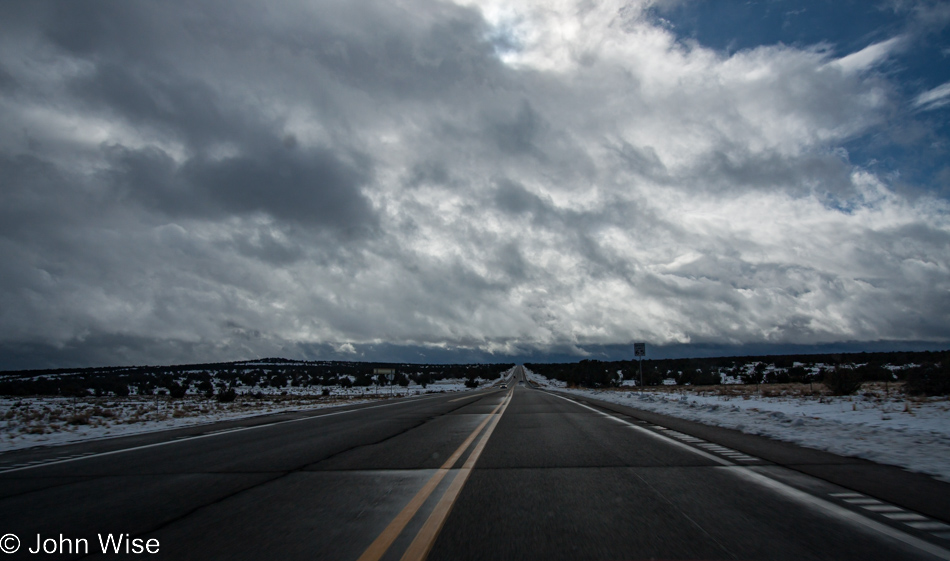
(268, 247)
(7, 83)
(317, 188)
(161, 99)
(430, 173)
(642, 161)
(517, 134)
(131, 81)
(514, 198)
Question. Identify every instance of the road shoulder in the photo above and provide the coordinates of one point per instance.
(913, 491)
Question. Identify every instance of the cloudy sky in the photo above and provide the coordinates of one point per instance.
(432, 181)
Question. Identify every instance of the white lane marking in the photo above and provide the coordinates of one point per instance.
(653, 434)
(904, 516)
(733, 454)
(719, 449)
(896, 513)
(840, 512)
(801, 497)
(223, 431)
(929, 526)
(883, 508)
(87, 455)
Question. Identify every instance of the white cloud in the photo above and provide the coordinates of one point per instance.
(934, 98)
(869, 56)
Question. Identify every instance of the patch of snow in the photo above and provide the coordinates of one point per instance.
(887, 429)
(543, 382)
(50, 421)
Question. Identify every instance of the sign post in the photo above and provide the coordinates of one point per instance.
(389, 373)
(640, 350)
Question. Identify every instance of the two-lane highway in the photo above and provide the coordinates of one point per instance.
(514, 473)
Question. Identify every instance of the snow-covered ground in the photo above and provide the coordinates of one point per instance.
(884, 428)
(48, 421)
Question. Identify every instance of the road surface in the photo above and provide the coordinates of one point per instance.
(497, 473)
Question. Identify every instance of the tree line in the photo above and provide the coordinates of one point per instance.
(925, 372)
(220, 378)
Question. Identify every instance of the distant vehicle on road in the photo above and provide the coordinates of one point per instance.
(503, 386)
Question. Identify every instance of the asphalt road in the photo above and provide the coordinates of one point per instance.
(514, 473)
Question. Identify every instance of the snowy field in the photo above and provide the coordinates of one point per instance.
(48, 421)
(887, 428)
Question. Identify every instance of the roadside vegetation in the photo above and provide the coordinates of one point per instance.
(227, 381)
(914, 373)
(43, 407)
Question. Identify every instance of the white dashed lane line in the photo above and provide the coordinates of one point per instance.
(33, 463)
(850, 514)
(869, 504)
(734, 455)
(896, 513)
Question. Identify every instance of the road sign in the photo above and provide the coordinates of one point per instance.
(640, 350)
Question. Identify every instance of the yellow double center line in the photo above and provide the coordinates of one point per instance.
(420, 546)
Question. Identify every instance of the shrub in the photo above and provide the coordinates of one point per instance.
(756, 376)
(176, 390)
(931, 379)
(874, 373)
(79, 419)
(842, 381)
(706, 378)
(226, 396)
(778, 377)
(797, 374)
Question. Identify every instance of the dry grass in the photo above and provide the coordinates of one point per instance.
(869, 390)
(40, 416)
